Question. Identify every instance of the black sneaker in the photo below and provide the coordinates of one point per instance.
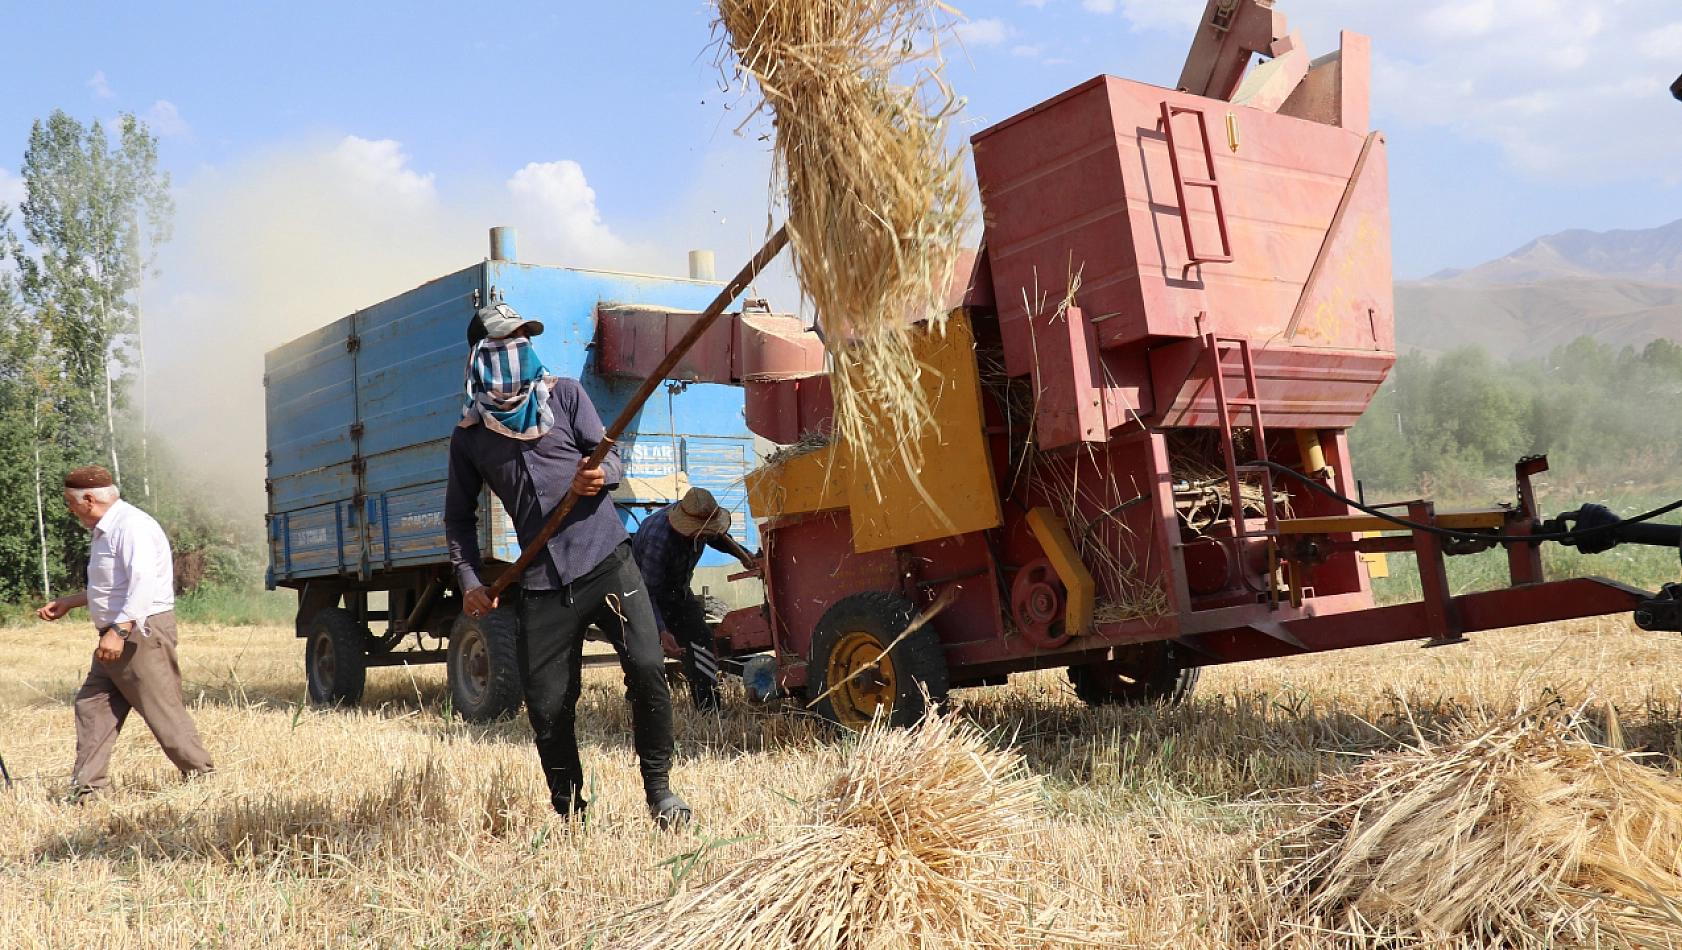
(669, 810)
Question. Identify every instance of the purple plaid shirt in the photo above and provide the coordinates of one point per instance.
(531, 478)
(667, 559)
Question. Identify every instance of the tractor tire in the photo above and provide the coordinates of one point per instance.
(1143, 674)
(850, 637)
(335, 658)
(483, 666)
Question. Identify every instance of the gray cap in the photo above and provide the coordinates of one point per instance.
(501, 321)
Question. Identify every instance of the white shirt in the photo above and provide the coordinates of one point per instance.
(131, 575)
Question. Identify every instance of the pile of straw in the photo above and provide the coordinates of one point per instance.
(876, 205)
(1514, 833)
(1198, 466)
(916, 843)
(809, 442)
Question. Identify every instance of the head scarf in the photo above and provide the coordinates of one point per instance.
(508, 389)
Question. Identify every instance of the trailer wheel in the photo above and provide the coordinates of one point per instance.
(1142, 674)
(335, 658)
(846, 646)
(484, 666)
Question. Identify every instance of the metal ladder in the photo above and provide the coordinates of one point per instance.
(1226, 404)
(1181, 183)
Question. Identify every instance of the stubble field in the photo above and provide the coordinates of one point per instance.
(397, 826)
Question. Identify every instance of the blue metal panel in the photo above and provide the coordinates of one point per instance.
(311, 405)
(311, 535)
(409, 382)
(412, 520)
(307, 489)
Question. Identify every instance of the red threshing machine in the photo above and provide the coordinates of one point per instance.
(1182, 304)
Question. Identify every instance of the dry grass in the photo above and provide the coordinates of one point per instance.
(876, 205)
(916, 844)
(397, 826)
(1505, 833)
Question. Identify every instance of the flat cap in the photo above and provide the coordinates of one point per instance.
(89, 476)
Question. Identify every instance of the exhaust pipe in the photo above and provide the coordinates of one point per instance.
(502, 245)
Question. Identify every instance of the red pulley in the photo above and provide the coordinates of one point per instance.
(1037, 600)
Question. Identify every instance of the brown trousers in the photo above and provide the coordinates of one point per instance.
(146, 679)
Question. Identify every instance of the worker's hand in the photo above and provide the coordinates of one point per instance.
(749, 563)
(53, 610)
(589, 482)
(110, 647)
(480, 602)
(668, 644)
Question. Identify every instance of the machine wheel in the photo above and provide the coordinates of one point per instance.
(484, 666)
(1143, 673)
(335, 658)
(850, 638)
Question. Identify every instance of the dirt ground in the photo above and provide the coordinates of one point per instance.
(396, 826)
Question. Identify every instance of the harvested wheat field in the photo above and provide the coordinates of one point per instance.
(396, 826)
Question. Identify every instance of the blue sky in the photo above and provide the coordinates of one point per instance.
(473, 92)
(329, 155)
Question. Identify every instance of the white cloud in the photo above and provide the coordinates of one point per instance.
(1665, 44)
(101, 88)
(1151, 14)
(382, 167)
(11, 190)
(1026, 50)
(1556, 84)
(562, 205)
(1569, 90)
(165, 120)
(989, 32)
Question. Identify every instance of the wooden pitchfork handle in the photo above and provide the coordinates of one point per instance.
(649, 383)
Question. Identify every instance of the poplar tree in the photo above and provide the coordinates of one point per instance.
(93, 215)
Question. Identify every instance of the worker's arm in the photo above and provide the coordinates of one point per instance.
(56, 609)
(461, 516)
(727, 544)
(587, 433)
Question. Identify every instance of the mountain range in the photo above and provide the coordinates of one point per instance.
(1624, 288)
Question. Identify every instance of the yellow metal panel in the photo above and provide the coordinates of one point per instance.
(953, 492)
(1378, 564)
(816, 481)
(1053, 534)
(1355, 524)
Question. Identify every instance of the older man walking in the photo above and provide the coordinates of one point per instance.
(131, 598)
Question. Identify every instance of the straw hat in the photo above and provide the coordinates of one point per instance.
(698, 514)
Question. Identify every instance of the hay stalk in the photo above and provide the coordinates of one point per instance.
(876, 205)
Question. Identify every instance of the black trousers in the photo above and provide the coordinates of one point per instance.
(551, 647)
(686, 621)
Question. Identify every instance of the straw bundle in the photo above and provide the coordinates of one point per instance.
(876, 206)
(914, 845)
(1516, 833)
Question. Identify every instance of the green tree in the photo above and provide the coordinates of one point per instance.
(93, 216)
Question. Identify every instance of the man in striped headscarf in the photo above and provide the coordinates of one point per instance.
(527, 436)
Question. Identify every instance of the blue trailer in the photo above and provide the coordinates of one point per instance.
(359, 420)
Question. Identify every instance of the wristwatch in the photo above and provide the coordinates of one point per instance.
(124, 632)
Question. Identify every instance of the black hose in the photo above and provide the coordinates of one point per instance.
(1565, 537)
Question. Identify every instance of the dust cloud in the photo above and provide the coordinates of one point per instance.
(292, 239)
